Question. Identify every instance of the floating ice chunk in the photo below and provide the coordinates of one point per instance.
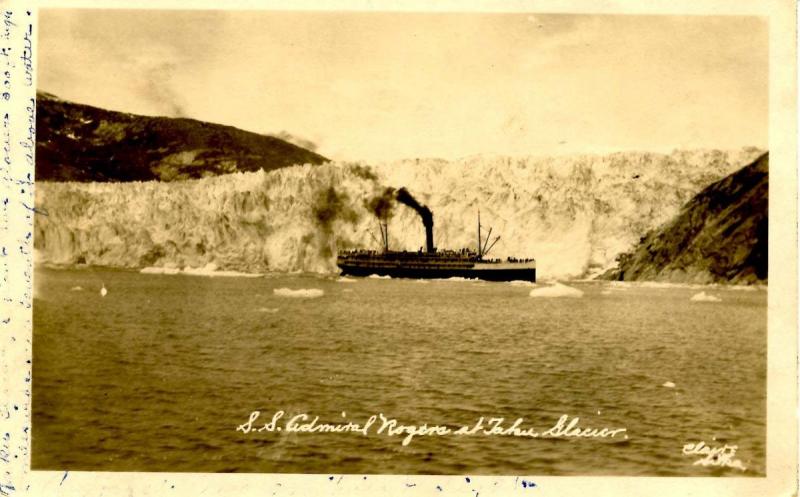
(160, 270)
(347, 290)
(237, 274)
(705, 297)
(743, 288)
(76, 289)
(556, 290)
(662, 284)
(522, 283)
(379, 277)
(206, 270)
(345, 279)
(303, 293)
(668, 384)
(210, 269)
(270, 310)
(103, 291)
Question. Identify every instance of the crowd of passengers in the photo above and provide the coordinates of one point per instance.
(463, 253)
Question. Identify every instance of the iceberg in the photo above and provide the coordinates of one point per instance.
(302, 293)
(556, 290)
(209, 269)
(704, 297)
(160, 270)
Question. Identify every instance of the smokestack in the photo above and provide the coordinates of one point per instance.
(427, 216)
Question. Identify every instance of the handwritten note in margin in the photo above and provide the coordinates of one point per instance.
(18, 112)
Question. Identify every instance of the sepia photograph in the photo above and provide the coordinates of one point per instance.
(401, 243)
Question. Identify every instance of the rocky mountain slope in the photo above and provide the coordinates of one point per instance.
(81, 143)
(719, 236)
(573, 214)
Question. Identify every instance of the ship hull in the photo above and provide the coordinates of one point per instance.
(487, 272)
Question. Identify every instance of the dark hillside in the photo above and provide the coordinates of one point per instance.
(720, 236)
(81, 143)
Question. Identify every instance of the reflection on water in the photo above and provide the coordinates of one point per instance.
(157, 374)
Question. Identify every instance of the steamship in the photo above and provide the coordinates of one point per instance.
(434, 263)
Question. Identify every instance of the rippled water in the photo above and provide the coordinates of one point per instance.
(157, 375)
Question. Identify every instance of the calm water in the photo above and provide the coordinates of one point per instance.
(157, 375)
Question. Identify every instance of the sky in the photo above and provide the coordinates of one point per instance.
(388, 86)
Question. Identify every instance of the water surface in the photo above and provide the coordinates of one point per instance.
(157, 375)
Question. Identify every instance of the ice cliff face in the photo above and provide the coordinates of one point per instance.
(573, 214)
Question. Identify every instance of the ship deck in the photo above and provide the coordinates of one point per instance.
(435, 265)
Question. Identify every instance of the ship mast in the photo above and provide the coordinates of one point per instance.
(484, 250)
(383, 227)
(482, 246)
(480, 251)
(375, 239)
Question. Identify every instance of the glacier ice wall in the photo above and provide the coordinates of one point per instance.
(573, 214)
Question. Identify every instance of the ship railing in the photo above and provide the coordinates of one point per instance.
(444, 254)
(462, 255)
(515, 259)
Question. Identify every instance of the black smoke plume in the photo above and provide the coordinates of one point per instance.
(383, 207)
(383, 204)
(330, 205)
(403, 196)
(363, 172)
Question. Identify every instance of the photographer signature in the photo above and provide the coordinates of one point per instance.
(714, 456)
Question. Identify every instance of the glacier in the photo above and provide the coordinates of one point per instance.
(574, 214)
